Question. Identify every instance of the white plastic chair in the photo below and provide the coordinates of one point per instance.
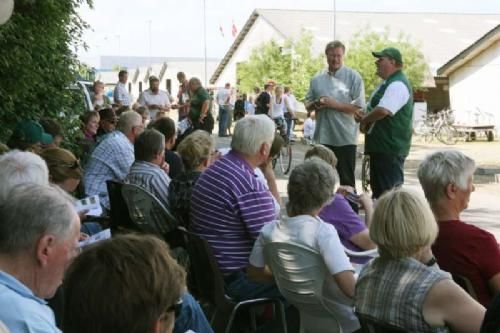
(300, 273)
(373, 253)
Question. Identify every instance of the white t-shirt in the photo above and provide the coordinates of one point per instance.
(223, 97)
(162, 98)
(277, 107)
(396, 95)
(309, 128)
(291, 102)
(312, 232)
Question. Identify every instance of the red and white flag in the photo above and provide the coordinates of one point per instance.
(234, 31)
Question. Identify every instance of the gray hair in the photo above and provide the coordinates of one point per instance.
(149, 144)
(310, 186)
(441, 168)
(32, 211)
(251, 132)
(195, 81)
(19, 167)
(128, 120)
(333, 45)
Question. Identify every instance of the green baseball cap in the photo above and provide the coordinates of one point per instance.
(31, 132)
(390, 52)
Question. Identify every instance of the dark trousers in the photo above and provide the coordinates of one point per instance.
(386, 172)
(346, 163)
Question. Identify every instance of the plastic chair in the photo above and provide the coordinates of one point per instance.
(370, 325)
(147, 212)
(210, 285)
(300, 274)
(373, 253)
(120, 220)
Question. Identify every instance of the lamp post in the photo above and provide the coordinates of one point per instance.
(205, 39)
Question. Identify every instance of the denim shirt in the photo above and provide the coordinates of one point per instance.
(21, 310)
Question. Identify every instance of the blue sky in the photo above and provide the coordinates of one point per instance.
(175, 28)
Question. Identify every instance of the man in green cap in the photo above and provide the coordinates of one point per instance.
(29, 136)
(388, 123)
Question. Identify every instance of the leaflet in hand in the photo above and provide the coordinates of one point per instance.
(102, 235)
(91, 204)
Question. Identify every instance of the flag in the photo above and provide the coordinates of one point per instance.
(221, 30)
(234, 31)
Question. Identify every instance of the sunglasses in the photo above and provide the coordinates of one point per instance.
(175, 308)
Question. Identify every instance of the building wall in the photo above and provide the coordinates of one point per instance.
(259, 33)
(475, 85)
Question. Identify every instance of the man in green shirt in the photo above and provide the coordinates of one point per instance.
(200, 113)
(388, 123)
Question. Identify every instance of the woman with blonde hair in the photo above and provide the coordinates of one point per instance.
(196, 151)
(64, 168)
(404, 287)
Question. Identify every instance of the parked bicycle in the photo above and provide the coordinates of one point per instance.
(439, 126)
(284, 157)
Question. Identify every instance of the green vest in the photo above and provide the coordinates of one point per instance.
(392, 134)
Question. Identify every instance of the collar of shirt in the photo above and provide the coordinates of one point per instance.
(15, 285)
(334, 73)
(235, 156)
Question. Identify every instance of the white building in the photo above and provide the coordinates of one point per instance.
(166, 72)
(441, 36)
(474, 80)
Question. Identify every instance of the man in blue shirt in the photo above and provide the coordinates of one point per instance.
(38, 239)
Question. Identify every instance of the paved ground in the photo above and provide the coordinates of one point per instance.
(484, 206)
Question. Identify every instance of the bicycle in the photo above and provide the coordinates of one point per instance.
(365, 173)
(439, 126)
(284, 157)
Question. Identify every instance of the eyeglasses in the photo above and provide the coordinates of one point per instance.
(175, 308)
(70, 165)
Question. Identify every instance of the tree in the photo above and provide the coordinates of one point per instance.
(38, 62)
(290, 64)
(359, 57)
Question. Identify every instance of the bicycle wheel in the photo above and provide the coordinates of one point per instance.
(285, 158)
(448, 135)
(365, 173)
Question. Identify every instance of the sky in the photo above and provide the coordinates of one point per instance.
(167, 28)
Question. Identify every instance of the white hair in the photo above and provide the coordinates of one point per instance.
(441, 168)
(251, 132)
(128, 120)
(19, 167)
(32, 211)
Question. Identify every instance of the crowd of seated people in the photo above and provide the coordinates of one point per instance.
(232, 201)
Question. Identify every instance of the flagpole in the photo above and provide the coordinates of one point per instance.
(205, 38)
(334, 20)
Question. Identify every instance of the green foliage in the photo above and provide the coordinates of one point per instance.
(38, 63)
(359, 57)
(289, 65)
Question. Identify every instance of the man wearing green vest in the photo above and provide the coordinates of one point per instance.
(388, 123)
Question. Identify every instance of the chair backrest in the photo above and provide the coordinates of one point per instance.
(370, 325)
(299, 273)
(208, 278)
(120, 219)
(465, 283)
(147, 212)
(373, 253)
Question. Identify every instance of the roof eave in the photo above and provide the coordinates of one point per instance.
(470, 52)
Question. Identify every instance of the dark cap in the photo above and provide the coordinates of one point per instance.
(390, 52)
(107, 114)
(31, 132)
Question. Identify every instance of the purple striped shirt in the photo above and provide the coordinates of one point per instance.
(229, 207)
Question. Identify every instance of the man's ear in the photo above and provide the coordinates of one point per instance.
(450, 191)
(264, 149)
(44, 248)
